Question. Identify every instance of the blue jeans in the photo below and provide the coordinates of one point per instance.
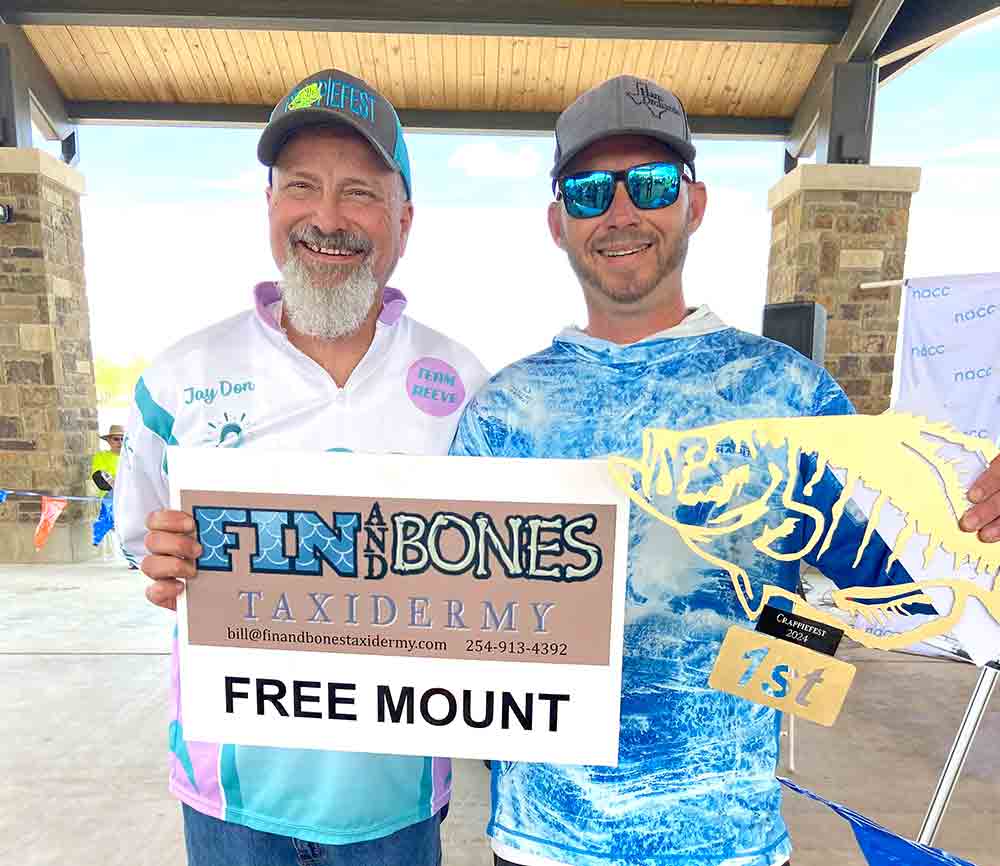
(211, 842)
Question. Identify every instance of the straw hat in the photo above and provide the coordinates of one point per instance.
(114, 430)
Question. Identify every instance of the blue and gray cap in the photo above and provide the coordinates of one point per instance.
(625, 105)
(335, 97)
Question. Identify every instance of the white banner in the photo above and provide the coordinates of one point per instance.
(948, 365)
(467, 607)
(948, 369)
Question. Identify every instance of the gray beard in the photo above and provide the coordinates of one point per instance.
(327, 302)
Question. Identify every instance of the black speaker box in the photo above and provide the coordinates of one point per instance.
(799, 325)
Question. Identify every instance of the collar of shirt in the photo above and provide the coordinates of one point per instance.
(697, 323)
(267, 301)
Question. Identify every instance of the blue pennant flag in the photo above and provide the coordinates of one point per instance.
(3, 496)
(105, 521)
(882, 847)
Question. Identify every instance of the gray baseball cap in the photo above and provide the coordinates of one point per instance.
(625, 105)
(335, 97)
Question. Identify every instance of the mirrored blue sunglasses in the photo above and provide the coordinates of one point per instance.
(651, 186)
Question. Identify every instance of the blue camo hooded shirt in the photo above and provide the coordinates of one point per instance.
(695, 782)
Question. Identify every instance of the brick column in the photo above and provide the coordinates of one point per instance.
(834, 227)
(48, 404)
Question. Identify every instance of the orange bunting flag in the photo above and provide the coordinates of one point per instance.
(51, 509)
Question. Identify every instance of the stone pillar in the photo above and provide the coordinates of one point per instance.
(834, 227)
(48, 403)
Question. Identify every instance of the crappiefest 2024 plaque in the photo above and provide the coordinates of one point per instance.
(470, 607)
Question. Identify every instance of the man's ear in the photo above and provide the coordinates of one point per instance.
(697, 202)
(269, 192)
(405, 224)
(555, 223)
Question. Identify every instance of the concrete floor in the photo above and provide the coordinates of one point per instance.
(83, 662)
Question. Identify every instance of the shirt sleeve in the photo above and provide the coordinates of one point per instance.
(470, 438)
(141, 484)
(830, 398)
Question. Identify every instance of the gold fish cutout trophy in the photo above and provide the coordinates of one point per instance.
(911, 463)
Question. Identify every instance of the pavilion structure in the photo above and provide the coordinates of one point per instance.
(804, 72)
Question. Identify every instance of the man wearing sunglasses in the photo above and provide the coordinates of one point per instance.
(104, 465)
(103, 469)
(695, 782)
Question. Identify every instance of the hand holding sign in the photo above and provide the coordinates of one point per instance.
(172, 554)
(984, 516)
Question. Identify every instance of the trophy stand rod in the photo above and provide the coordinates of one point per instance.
(959, 752)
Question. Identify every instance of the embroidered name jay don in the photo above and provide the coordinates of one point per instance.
(695, 782)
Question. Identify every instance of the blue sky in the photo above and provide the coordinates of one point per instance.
(175, 228)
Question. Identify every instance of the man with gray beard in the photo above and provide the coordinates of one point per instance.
(326, 361)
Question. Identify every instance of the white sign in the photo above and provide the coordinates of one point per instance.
(462, 607)
(949, 361)
(948, 369)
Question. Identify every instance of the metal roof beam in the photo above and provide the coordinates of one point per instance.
(920, 25)
(614, 19)
(29, 92)
(870, 19)
(32, 75)
(220, 114)
(888, 31)
(889, 71)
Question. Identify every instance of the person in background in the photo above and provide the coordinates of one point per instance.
(103, 469)
(104, 465)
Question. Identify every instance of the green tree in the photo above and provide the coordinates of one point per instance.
(116, 382)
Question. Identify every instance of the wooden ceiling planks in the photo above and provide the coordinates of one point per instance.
(484, 73)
